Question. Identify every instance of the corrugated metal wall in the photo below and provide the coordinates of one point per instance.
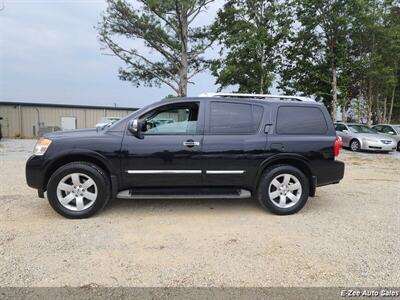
(23, 120)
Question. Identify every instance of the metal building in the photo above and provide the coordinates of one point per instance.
(28, 120)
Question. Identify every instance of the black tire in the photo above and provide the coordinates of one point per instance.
(91, 170)
(355, 145)
(398, 146)
(264, 184)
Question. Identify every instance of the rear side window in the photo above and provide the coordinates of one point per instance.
(340, 127)
(234, 118)
(300, 120)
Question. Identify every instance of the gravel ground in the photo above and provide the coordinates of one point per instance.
(348, 235)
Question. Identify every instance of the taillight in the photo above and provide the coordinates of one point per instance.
(338, 145)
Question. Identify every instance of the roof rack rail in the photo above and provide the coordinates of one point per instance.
(258, 96)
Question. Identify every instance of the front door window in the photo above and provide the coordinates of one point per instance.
(172, 120)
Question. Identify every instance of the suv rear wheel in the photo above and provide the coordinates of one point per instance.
(283, 189)
(78, 190)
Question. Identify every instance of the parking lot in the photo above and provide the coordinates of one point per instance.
(348, 235)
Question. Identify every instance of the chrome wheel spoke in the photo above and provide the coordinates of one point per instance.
(65, 187)
(75, 179)
(276, 183)
(89, 196)
(282, 200)
(291, 197)
(294, 186)
(88, 183)
(286, 179)
(67, 199)
(79, 203)
(275, 194)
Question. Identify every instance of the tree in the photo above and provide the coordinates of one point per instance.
(317, 51)
(175, 48)
(375, 46)
(250, 33)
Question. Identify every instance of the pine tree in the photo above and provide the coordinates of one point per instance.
(174, 49)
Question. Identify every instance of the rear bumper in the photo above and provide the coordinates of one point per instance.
(331, 174)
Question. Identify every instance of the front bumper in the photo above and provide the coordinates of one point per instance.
(377, 146)
(35, 173)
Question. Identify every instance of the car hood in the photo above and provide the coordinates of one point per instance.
(79, 133)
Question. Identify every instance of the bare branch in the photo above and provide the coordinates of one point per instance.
(116, 50)
(197, 11)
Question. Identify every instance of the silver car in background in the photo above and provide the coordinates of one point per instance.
(390, 130)
(361, 137)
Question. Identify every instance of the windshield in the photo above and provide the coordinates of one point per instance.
(361, 129)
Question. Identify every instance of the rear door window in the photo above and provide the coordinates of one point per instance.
(234, 118)
(301, 120)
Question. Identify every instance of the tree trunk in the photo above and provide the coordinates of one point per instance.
(183, 72)
(384, 110)
(369, 103)
(334, 91)
(344, 113)
(261, 70)
(391, 104)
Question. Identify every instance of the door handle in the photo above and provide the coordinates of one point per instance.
(191, 143)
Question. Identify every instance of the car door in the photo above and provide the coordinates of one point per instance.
(233, 143)
(166, 154)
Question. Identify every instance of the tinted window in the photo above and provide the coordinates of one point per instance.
(340, 127)
(361, 129)
(387, 129)
(234, 118)
(301, 120)
(172, 119)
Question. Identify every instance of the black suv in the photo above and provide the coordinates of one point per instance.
(277, 151)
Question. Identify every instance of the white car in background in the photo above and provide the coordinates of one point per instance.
(107, 121)
(391, 130)
(361, 137)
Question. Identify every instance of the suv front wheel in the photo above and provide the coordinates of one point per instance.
(283, 189)
(78, 190)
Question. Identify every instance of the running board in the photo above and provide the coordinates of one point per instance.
(235, 194)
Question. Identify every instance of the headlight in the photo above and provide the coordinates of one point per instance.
(41, 146)
(370, 140)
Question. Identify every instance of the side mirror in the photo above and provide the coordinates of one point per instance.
(134, 127)
(345, 131)
(391, 132)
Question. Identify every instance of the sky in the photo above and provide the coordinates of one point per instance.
(50, 53)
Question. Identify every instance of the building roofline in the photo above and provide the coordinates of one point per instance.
(41, 104)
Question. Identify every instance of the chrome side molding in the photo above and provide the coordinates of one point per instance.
(163, 171)
(225, 172)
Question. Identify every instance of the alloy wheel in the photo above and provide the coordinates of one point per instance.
(77, 191)
(285, 190)
(355, 146)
